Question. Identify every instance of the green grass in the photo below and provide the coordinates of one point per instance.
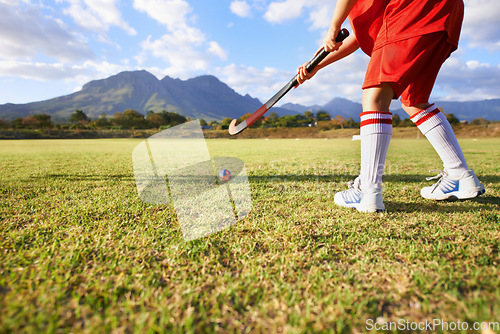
(79, 252)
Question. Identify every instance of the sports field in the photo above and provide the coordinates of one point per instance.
(79, 252)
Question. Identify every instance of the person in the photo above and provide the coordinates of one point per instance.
(407, 41)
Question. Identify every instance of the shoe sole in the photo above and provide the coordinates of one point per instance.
(469, 195)
(373, 211)
(369, 210)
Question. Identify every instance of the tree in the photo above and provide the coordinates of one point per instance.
(134, 119)
(257, 124)
(172, 118)
(129, 119)
(323, 116)
(340, 120)
(37, 121)
(452, 119)
(215, 125)
(225, 123)
(406, 123)
(155, 120)
(288, 121)
(17, 123)
(271, 120)
(101, 122)
(396, 120)
(351, 123)
(79, 117)
(479, 121)
(119, 119)
(309, 117)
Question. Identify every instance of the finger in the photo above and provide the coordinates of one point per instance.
(302, 76)
(319, 50)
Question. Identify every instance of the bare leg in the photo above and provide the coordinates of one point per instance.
(416, 108)
(378, 98)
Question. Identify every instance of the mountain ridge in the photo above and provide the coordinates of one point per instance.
(200, 97)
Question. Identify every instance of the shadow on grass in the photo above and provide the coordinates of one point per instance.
(392, 178)
(88, 177)
(484, 202)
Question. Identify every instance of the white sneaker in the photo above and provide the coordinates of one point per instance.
(367, 200)
(466, 186)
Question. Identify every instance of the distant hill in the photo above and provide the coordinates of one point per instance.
(201, 97)
(464, 111)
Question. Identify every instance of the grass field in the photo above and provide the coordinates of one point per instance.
(79, 252)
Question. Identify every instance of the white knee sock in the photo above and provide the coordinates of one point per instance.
(376, 132)
(436, 128)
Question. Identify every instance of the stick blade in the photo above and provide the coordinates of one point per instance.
(235, 129)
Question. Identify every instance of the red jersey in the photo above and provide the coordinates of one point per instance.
(380, 22)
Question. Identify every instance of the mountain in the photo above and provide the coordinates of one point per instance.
(464, 111)
(201, 97)
(298, 108)
(467, 111)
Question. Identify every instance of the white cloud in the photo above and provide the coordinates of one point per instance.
(97, 15)
(241, 8)
(9, 2)
(171, 13)
(78, 74)
(25, 32)
(461, 80)
(184, 48)
(342, 79)
(481, 26)
(278, 12)
(258, 83)
(36, 71)
(319, 11)
(217, 50)
(179, 51)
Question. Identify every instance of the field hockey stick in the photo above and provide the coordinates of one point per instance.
(235, 129)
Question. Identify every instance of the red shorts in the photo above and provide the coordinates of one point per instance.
(411, 66)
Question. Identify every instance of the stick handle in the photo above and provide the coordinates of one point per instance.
(343, 34)
(235, 129)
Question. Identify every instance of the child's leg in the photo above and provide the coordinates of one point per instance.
(376, 132)
(457, 180)
(365, 194)
(436, 128)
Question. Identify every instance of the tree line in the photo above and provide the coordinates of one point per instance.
(131, 119)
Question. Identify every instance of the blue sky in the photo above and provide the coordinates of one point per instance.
(52, 48)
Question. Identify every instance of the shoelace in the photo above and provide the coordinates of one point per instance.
(440, 176)
(354, 184)
(352, 194)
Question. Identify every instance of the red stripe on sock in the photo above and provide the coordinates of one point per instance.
(375, 112)
(426, 117)
(376, 121)
(421, 111)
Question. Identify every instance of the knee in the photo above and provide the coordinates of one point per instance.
(378, 98)
(412, 110)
